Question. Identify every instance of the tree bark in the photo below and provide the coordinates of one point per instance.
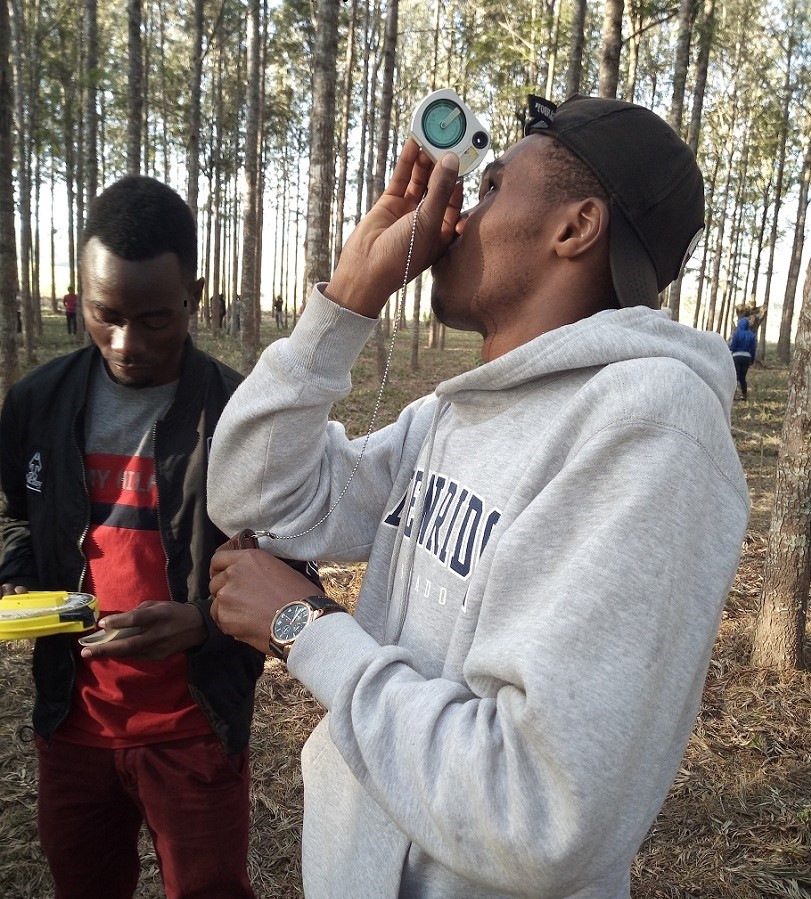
(322, 146)
(780, 623)
(8, 242)
(193, 148)
(22, 87)
(574, 71)
(386, 99)
(135, 99)
(343, 144)
(612, 44)
(788, 90)
(706, 34)
(91, 118)
(249, 330)
(784, 340)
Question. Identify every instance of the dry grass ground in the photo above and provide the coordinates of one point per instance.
(737, 822)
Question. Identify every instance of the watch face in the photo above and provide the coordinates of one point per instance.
(290, 621)
(444, 123)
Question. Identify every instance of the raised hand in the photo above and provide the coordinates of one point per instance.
(373, 260)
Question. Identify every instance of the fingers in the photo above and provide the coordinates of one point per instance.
(411, 168)
(12, 590)
(222, 558)
(443, 202)
(152, 631)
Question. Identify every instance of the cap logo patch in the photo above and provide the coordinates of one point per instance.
(541, 113)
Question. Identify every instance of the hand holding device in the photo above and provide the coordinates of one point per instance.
(372, 263)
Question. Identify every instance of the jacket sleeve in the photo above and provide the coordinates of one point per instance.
(17, 564)
(598, 607)
(278, 463)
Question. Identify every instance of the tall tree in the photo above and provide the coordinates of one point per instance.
(249, 326)
(681, 62)
(343, 143)
(193, 150)
(135, 96)
(574, 72)
(612, 44)
(91, 121)
(322, 145)
(706, 35)
(687, 12)
(8, 243)
(780, 623)
(788, 89)
(24, 103)
(383, 140)
(784, 340)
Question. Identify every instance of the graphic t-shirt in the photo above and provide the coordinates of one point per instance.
(126, 702)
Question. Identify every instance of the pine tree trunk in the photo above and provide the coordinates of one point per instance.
(135, 99)
(784, 340)
(322, 164)
(343, 142)
(788, 88)
(781, 619)
(248, 324)
(91, 119)
(612, 45)
(193, 147)
(386, 99)
(575, 70)
(706, 35)
(8, 243)
(681, 63)
(22, 85)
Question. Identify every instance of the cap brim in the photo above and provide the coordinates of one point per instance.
(632, 270)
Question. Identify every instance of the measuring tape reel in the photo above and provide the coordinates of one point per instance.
(45, 612)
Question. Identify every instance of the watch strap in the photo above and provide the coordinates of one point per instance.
(324, 604)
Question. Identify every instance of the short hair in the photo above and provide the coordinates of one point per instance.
(569, 178)
(139, 218)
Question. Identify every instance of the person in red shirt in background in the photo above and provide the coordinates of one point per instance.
(69, 301)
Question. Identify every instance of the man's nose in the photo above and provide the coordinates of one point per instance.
(125, 339)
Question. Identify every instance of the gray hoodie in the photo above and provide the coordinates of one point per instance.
(550, 539)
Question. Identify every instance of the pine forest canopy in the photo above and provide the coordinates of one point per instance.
(104, 88)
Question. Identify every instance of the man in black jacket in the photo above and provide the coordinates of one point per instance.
(103, 469)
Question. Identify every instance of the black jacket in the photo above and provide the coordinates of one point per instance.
(45, 514)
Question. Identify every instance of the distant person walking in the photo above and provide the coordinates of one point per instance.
(743, 346)
(69, 302)
(278, 308)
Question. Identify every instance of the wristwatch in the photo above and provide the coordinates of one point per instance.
(293, 617)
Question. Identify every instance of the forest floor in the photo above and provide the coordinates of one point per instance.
(737, 821)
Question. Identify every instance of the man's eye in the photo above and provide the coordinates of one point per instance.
(105, 318)
(155, 322)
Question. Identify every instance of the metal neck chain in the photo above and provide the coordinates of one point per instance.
(397, 313)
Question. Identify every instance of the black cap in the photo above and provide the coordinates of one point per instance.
(654, 185)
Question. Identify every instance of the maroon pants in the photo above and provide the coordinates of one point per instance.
(193, 798)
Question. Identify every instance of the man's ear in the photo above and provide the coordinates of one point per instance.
(197, 294)
(583, 224)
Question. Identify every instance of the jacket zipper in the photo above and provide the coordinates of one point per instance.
(158, 510)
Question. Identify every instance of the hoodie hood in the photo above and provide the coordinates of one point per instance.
(616, 335)
(743, 324)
